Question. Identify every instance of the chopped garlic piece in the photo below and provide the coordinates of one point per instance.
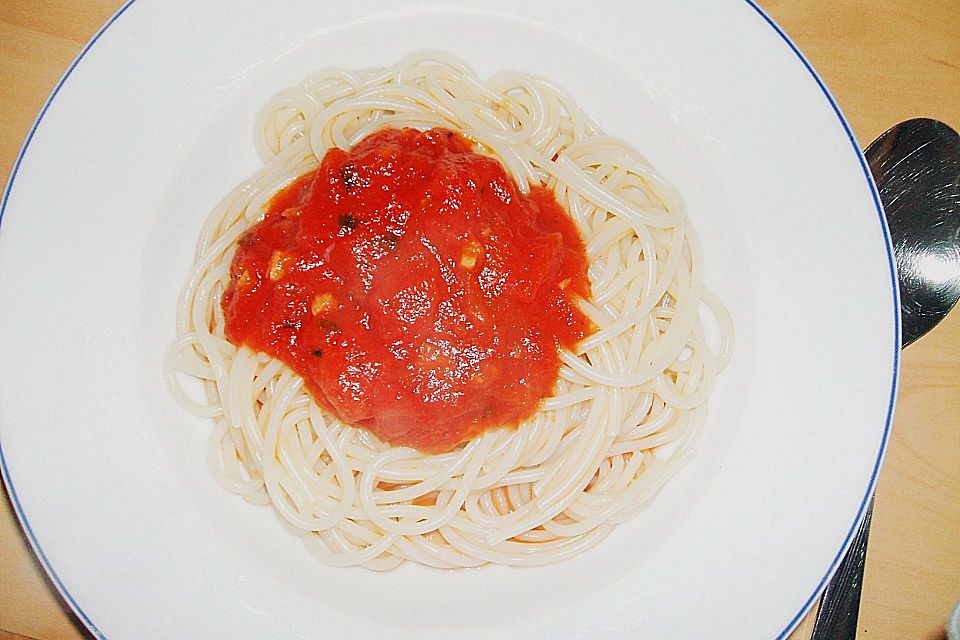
(244, 280)
(322, 303)
(472, 251)
(279, 265)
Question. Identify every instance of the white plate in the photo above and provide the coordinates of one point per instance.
(154, 124)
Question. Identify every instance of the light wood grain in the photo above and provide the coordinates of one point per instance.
(884, 61)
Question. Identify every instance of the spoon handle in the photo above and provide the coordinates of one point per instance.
(839, 609)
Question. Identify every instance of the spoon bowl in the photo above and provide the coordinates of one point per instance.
(916, 166)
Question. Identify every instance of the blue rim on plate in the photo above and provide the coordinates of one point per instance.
(85, 619)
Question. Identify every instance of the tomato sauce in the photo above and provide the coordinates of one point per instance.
(415, 289)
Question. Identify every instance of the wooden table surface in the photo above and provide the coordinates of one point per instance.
(884, 61)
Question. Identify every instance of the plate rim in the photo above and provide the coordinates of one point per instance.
(898, 339)
(4, 472)
(878, 209)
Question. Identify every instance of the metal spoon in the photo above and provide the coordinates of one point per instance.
(916, 166)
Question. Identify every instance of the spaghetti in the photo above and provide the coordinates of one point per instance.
(592, 455)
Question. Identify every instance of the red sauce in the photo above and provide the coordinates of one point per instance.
(415, 289)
